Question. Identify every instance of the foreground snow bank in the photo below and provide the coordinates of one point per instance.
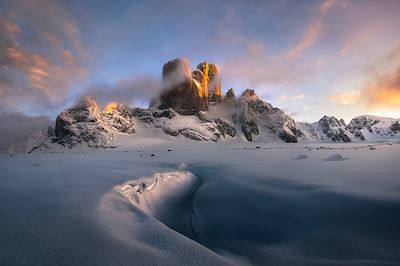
(152, 194)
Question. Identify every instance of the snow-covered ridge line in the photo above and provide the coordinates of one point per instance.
(191, 106)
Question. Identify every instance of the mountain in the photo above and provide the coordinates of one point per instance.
(360, 128)
(191, 106)
(327, 129)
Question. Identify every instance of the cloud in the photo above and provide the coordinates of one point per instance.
(345, 97)
(140, 88)
(326, 5)
(19, 126)
(299, 97)
(310, 36)
(383, 92)
(41, 55)
(258, 66)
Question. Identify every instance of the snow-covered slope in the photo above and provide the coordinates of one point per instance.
(373, 127)
(260, 121)
(327, 129)
(360, 128)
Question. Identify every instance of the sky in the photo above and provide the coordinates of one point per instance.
(309, 58)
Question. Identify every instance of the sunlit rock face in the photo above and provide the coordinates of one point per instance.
(211, 81)
(189, 92)
(180, 91)
(81, 124)
(85, 124)
(119, 118)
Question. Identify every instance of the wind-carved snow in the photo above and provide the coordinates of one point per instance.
(153, 194)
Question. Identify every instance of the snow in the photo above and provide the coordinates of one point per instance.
(301, 157)
(203, 204)
(163, 188)
(335, 158)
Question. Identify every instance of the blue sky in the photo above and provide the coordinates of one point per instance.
(310, 58)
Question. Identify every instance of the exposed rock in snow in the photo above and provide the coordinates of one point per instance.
(327, 129)
(230, 98)
(120, 119)
(82, 124)
(85, 124)
(39, 140)
(333, 128)
(373, 127)
(188, 126)
(259, 118)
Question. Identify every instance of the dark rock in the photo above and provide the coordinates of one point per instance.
(170, 131)
(334, 129)
(169, 113)
(287, 136)
(144, 115)
(395, 127)
(181, 91)
(248, 128)
(230, 98)
(226, 128)
(191, 134)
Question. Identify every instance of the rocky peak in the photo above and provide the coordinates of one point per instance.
(81, 124)
(176, 72)
(211, 81)
(332, 121)
(249, 95)
(181, 91)
(230, 98)
(334, 129)
(85, 124)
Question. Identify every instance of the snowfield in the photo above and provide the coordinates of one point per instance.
(174, 201)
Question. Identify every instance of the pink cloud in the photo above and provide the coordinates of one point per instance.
(309, 37)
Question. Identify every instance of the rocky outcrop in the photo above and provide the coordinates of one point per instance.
(180, 91)
(191, 127)
(210, 81)
(85, 124)
(189, 92)
(259, 118)
(230, 99)
(334, 129)
(119, 117)
(327, 129)
(81, 124)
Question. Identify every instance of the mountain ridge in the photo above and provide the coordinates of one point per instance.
(191, 106)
